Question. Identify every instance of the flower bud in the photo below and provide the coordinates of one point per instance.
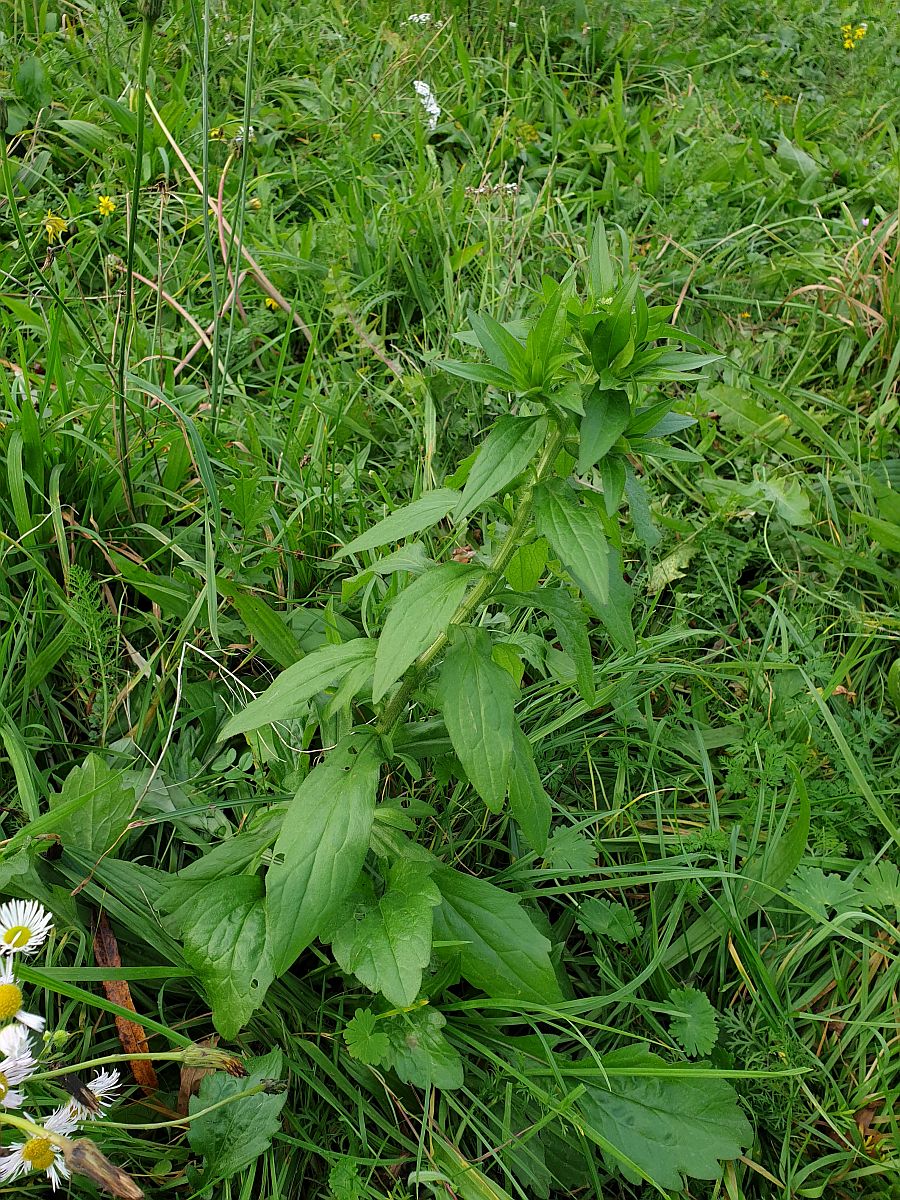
(150, 10)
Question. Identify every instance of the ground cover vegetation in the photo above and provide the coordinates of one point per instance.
(449, 526)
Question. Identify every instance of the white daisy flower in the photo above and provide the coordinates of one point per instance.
(428, 102)
(24, 926)
(419, 19)
(39, 1153)
(15, 1041)
(14, 1069)
(104, 1088)
(11, 1001)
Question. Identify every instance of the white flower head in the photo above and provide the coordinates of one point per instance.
(39, 1153)
(104, 1088)
(428, 102)
(15, 1041)
(15, 1069)
(24, 926)
(419, 19)
(11, 1001)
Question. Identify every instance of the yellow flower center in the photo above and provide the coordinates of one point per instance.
(4, 1087)
(17, 936)
(38, 1153)
(10, 1000)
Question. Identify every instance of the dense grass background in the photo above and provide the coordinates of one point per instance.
(749, 164)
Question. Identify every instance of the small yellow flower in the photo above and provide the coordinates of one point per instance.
(217, 133)
(376, 137)
(255, 204)
(272, 305)
(106, 205)
(745, 314)
(54, 227)
(849, 43)
(859, 32)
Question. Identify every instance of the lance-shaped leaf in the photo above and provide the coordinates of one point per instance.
(500, 949)
(322, 846)
(528, 802)
(576, 534)
(606, 417)
(478, 700)
(505, 453)
(417, 616)
(405, 521)
(296, 686)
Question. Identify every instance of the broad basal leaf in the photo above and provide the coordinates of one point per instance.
(478, 703)
(665, 1125)
(504, 454)
(321, 848)
(104, 809)
(606, 417)
(387, 944)
(501, 951)
(576, 534)
(403, 522)
(223, 928)
(233, 1136)
(528, 802)
(296, 686)
(417, 616)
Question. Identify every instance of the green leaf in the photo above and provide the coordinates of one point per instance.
(571, 629)
(32, 83)
(815, 890)
(606, 417)
(364, 1040)
(500, 949)
(525, 568)
(223, 928)
(479, 373)
(478, 704)
(528, 802)
(505, 453)
(694, 1021)
(235, 1135)
(576, 535)
(103, 811)
(570, 851)
(403, 522)
(322, 846)
(880, 887)
(295, 687)
(387, 944)
(421, 612)
(608, 919)
(659, 1123)
(419, 1052)
(616, 612)
(505, 351)
(263, 623)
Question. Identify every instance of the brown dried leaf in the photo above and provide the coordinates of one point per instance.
(83, 1158)
(131, 1035)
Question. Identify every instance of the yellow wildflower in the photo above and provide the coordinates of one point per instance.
(217, 133)
(376, 137)
(106, 205)
(745, 314)
(272, 305)
(255, 204)
(54, 227)
(860, 32)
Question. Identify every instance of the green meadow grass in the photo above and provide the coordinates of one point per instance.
(726, 811)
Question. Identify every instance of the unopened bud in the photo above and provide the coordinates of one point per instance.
(213, 1059)
(150, 10)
